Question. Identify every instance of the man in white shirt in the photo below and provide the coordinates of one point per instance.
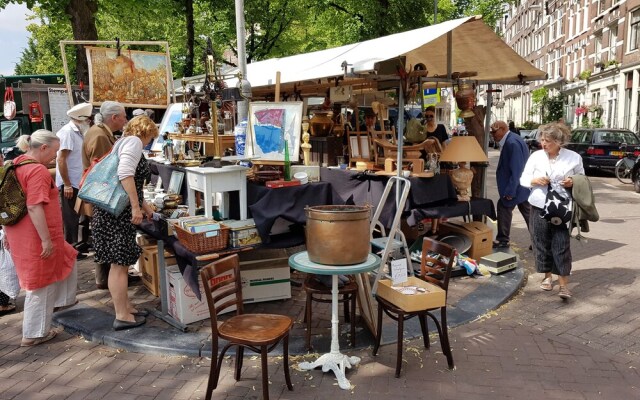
(69, 166)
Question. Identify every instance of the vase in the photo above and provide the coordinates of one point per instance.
(321, 124)
(465, 98)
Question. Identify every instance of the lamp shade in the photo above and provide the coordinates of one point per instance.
(463, 149)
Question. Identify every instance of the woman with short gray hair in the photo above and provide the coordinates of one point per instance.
(552, 166)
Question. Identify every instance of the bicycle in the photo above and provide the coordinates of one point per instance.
(624, 166)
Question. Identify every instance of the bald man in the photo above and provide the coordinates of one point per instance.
(514, 153)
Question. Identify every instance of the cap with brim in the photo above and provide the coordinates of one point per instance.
(80, 112)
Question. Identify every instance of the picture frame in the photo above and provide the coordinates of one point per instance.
(270, 123)
(175, 184)
(136, 79)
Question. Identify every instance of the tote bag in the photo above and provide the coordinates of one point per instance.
(557, 208)
(9, 104)
(101, 186)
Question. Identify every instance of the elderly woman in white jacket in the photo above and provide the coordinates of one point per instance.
(553, 165)
(115, 237)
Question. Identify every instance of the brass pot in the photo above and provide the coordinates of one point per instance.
(321, 124)
(465, 99)
(338, 235)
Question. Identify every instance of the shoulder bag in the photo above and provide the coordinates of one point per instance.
(102, 187)
(9, 104)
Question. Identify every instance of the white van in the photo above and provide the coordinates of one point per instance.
(168, 124)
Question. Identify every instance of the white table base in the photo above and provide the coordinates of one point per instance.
(334, 361)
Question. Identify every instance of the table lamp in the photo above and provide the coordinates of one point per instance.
(461, 150)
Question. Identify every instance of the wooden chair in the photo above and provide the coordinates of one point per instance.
(258, 332)
(435, 268)
(315, 289)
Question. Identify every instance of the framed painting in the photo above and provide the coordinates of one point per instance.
(137, 79)
(270, 124)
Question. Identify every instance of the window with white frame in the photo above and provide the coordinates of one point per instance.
(634, 30)
(613, 38)
(598, 40)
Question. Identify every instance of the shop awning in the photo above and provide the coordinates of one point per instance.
(475, 50)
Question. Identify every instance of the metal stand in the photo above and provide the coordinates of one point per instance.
(334, 361)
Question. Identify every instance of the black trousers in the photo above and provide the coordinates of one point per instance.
(70, 218)
(505, 216)
(551, 245)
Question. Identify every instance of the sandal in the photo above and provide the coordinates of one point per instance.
(546, 284)
(37, 341)
(565, 293)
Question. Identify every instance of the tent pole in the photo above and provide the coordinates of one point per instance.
(400, 139)
(242, 106)
(487, 125)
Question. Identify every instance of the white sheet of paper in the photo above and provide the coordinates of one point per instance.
(399, 271)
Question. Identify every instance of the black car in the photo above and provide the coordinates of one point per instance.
(601, 148)
(531, 139)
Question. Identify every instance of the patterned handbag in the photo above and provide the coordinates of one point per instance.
(101, 185)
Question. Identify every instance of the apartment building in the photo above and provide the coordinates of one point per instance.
(590, 50)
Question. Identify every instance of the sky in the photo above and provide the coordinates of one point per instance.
(13, 36)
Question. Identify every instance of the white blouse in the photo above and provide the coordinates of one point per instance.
(567, 164)
(129, 151)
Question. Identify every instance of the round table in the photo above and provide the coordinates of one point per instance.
(334, 360)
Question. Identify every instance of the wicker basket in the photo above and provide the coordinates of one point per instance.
(199, 243)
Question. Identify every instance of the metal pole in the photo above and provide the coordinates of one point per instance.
(487, 126)
(243, 106)
(435, 12)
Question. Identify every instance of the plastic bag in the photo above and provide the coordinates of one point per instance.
(415, 131)
(9, 283)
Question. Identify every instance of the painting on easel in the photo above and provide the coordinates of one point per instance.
(270, 124)
(137, 79)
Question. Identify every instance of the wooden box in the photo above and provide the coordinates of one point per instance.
(433, 297)
(149, 267)
(480, 234)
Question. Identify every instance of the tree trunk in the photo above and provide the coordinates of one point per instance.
(83, 24)
(189, 62)
(475, 127)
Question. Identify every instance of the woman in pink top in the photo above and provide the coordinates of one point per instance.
(45, 263)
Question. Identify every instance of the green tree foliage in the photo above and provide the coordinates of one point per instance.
(275, 28)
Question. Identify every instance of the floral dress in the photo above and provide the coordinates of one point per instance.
(114, 238)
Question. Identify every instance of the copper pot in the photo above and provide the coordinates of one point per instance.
(465, 99)
(321, 124)
(338, 235)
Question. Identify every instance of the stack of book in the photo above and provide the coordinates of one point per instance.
(199, 225)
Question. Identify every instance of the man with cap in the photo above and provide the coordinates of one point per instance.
(98, 141)
(69, 166)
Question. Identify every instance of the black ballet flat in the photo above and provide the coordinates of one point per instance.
(119, 325)
(141, 313)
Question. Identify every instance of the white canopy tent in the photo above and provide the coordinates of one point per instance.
(462, 46)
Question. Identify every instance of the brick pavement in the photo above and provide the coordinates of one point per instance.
(536, 346)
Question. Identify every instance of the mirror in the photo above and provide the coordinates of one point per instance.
(175, 184)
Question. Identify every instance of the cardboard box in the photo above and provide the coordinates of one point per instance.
(433, 297)
(261, 281)
(480, 234)
(149, 268)
(183, 305)
(265, 280)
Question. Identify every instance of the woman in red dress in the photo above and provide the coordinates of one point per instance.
(45, 263)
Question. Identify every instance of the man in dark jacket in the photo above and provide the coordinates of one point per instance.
(513, 157)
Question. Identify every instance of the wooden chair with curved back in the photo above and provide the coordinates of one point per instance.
(258, 332)
(435, 268)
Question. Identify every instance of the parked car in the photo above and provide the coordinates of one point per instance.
(531, 139)
(601, 148)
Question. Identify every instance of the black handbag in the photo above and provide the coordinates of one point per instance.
(557, 208)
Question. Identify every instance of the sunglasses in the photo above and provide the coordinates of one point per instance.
(429, 116)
